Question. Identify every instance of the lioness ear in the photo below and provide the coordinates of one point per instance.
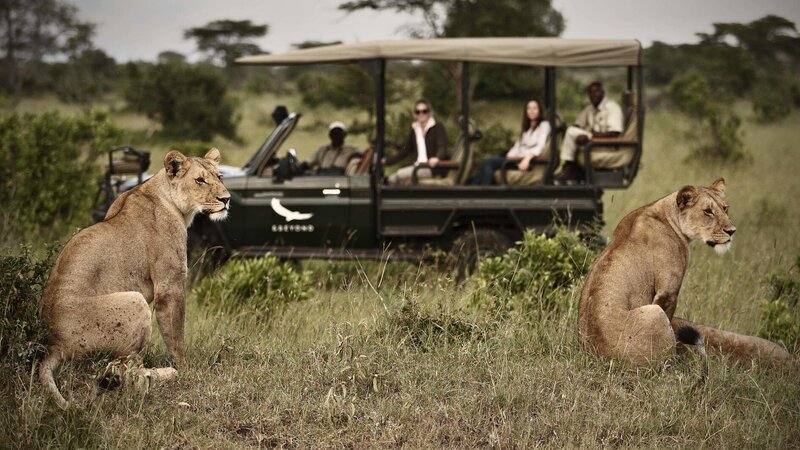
(175, 164)
(719, 187)
(213, 155)
(686, 196)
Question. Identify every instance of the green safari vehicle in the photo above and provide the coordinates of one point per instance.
(358, 215)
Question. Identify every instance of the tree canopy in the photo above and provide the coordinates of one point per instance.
(225, 40)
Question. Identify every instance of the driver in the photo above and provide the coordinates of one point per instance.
(331, 159)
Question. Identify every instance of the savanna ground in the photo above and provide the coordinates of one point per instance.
(400, 355)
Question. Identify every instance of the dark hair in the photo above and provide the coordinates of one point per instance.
(426, 103)
(526, 122)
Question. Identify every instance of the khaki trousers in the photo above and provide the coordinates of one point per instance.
(568, 147)
(403, 175)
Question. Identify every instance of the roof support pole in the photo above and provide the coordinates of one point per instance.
(380, 140)
(465, 110)
(550, 101)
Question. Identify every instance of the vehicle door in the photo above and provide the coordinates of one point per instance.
(304, 211)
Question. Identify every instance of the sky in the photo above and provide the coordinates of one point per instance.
(141, 29)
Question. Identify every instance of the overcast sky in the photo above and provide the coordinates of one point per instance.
(140, 29)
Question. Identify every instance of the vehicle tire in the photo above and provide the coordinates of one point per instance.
(473, 245)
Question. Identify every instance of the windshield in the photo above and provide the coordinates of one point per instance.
(271, 141)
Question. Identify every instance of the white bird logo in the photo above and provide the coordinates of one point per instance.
(289, 215)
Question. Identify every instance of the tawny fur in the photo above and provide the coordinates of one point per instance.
(629, 297)
(99, 290)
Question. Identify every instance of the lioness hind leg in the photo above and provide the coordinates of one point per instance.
(117, 323)
(646, 337)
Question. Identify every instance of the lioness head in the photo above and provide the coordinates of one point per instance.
(704, 215)
(196, 184)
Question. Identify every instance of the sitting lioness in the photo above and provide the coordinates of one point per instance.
(97, 296)
(629, 298)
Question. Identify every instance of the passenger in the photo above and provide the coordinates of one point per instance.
(529, 145)
(601, 118)
(331, 159)
(427, 140)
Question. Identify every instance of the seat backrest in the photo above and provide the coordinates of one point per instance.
(630, 112)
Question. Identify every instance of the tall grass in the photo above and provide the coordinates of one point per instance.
(398, 356)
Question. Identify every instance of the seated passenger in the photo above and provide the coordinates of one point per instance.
(601, 118)
(331, 159)
(529, 145)
(427, 141)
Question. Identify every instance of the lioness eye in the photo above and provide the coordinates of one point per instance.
(708, 211)
(200, 180)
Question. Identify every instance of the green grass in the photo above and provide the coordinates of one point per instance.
(355, 366)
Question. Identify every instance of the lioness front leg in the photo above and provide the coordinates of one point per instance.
(170, 311)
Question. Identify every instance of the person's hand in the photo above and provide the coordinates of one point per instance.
(433, 161)
(383, 161)
(582, 139)
(524, 164)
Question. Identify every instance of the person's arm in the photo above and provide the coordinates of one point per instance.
(540, 136)
(441, 142)
(408, 148)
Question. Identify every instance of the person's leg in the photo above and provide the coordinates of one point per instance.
(485, 175)
(402, 177)
(570, 172)
(569, 147)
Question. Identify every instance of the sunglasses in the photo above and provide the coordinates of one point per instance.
(421, 111)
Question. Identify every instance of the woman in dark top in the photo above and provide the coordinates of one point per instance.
(427, 142)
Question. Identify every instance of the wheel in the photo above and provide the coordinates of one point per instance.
(472, 245)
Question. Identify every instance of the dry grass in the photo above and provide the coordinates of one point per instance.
(356, 367)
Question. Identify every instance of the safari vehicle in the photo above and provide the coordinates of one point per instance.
(295, 215)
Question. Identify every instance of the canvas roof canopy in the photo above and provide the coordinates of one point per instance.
(555, 52)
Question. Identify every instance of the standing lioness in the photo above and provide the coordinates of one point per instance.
(630, 295)
(97, 296)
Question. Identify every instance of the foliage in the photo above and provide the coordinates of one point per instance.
(780, 313)
(720, 138)
(22, 332)
(538, 266)
(85, 77)
(225, 40)
(261, 286)
(48, 170)
(348, 86)
(34, 30)
(758, 60)
(190, 101)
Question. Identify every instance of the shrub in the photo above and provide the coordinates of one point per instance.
(190, 101)
(538, 265)
(780, 314)
(22, 333)
(773, 99)
(261, 286)
(48, 170)
(720, 138)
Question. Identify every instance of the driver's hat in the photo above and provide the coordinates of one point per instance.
(337, 124)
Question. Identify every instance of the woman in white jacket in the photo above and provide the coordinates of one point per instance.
(529, 146)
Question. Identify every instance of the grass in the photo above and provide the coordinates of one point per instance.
(404, 360)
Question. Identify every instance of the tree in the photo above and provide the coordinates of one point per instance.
(470, 18)
(85, 76)
(190, 101)
(225, 40)
(169, 56)
(31, 30)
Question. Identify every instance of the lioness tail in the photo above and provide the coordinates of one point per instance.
(690, 336)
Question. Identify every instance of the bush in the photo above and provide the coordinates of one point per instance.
(539, 265)
(22, 333)
(190, 101)
(261, 286)
(721, 138)
(773, 100)
(48, 171)
(780, 314)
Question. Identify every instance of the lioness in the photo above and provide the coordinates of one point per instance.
(629, 298)
(97, 296)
